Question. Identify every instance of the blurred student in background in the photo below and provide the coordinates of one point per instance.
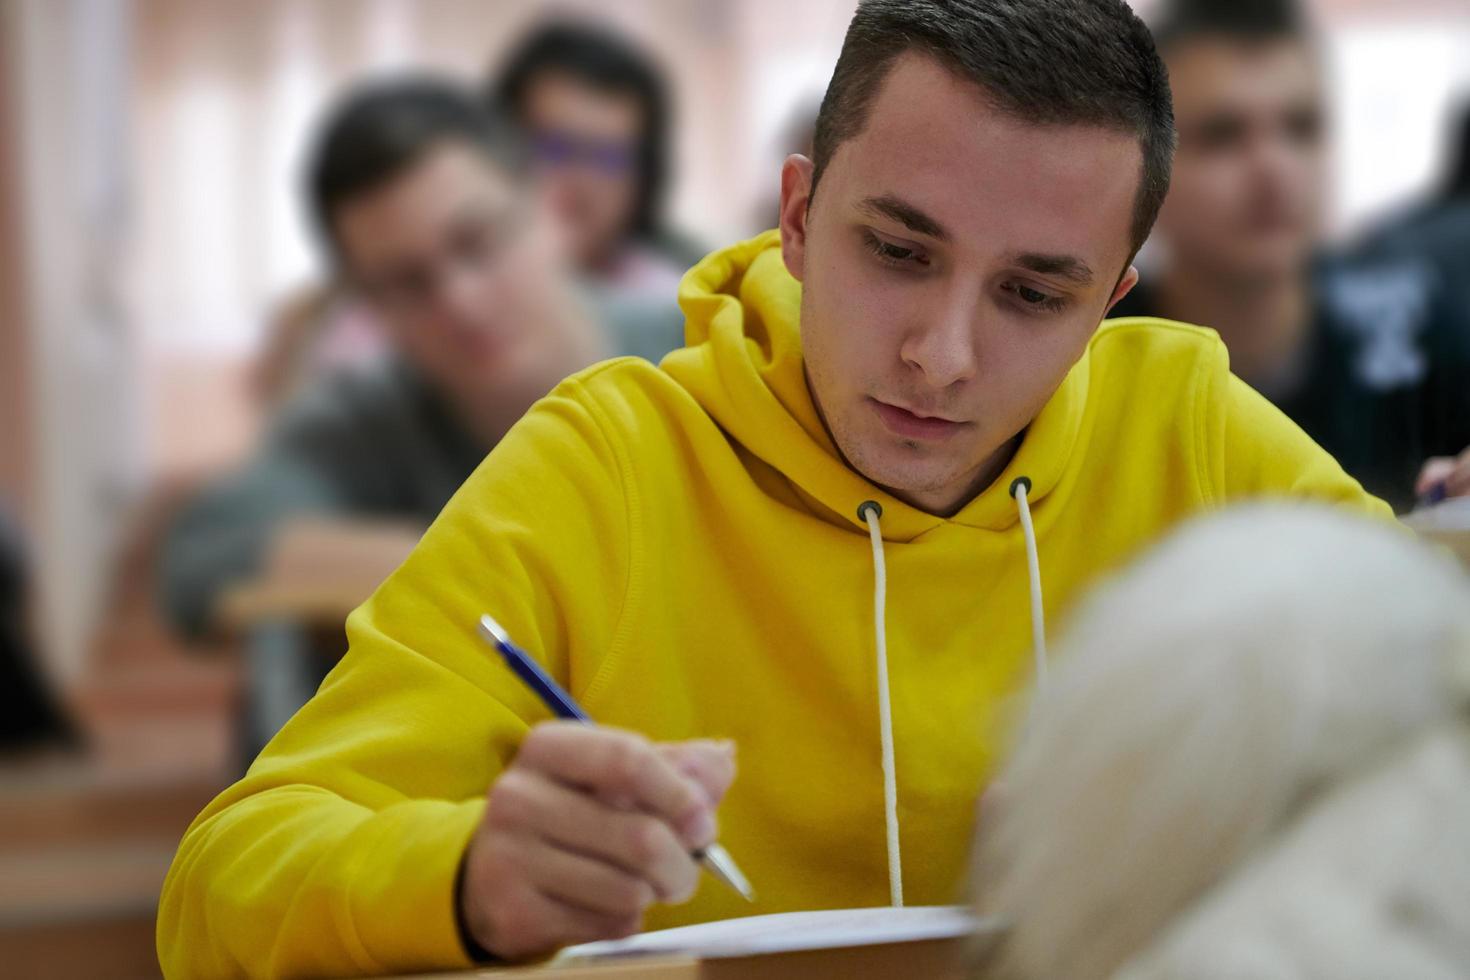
(30, 718)
(597, 117)
(595, 110)
(1438, 226)
(1368, 353)
(1431, 237)
(420, 197)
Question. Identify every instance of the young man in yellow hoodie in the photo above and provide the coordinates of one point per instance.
(813, 533)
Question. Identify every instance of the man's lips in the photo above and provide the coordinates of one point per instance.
(915, 425)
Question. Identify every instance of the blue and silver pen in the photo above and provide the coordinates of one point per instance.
(716, 859)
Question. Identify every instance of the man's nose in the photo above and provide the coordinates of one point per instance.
(942, 347)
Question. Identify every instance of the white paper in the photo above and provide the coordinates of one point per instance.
(1449, 515)
(790, 931)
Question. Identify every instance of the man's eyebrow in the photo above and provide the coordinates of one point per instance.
(905, 214)
(1067, 267)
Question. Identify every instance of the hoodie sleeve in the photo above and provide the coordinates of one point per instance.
(1259, 452)
(337, 853)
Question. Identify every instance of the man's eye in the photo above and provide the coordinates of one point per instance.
(1035, 299)
(891, 253)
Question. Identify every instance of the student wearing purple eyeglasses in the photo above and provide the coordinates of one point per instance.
(596, 113)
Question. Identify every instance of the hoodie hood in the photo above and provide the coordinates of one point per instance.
(743, 365)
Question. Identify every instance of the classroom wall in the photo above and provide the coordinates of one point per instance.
(67, 73)
(16, 491)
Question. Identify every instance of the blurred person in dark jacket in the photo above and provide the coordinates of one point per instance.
(1433, 236)
(421, 199)
(596, 112)
(1368, 351)
(30, 718)
(1438, 226)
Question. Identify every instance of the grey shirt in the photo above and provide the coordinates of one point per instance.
(371, 442)
(374, 442)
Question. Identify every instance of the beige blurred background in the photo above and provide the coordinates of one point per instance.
(150, 223)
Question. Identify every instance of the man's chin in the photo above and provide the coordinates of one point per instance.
(900, 476)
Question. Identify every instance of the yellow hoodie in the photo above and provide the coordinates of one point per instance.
(683, 548)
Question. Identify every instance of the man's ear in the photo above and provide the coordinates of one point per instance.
(1125, 285)
(796, 194)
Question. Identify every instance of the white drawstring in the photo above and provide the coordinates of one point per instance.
(1020, 486)
(870, 511)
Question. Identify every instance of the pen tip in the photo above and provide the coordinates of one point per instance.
(723, 867)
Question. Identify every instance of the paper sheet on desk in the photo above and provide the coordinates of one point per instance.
(1446, 523)
(1449, 515)
(790, 931)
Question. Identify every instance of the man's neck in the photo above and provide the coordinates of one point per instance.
(947, 504)
(1265, 322)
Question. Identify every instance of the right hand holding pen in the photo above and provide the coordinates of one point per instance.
(586, 829)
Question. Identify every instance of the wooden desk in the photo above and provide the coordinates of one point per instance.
(936, 959)
(317, 570)
(313, 604)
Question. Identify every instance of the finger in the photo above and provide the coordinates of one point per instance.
(709, 763)
(531, 804)
(586, 882)
(1457, 483)
(620, 765)
(1434, 473)
(653, 851)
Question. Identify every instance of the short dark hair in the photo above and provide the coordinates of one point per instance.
(381, 129)
(1047, 61)
(606, 61)
(1177, 21)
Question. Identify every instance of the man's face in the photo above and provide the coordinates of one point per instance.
(955, 263)
(586, 143)
(459, 263)
(1249, 178)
